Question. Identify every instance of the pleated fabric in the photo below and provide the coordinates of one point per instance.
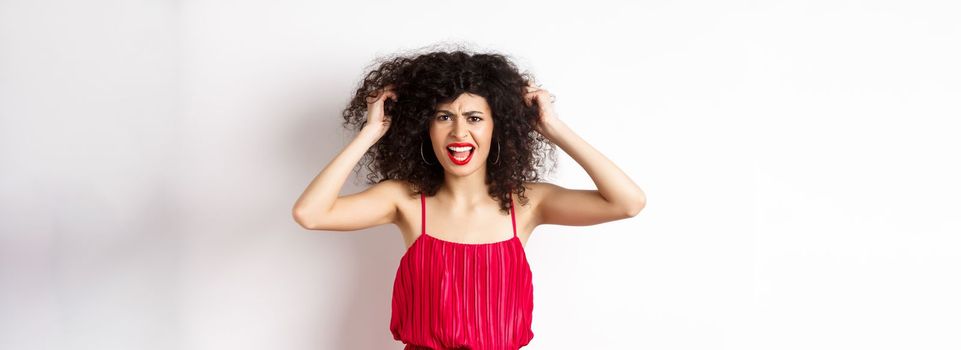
(450, 295)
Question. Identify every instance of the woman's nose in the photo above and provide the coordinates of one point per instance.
(460, 129)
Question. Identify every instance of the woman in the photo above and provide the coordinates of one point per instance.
(464, 281)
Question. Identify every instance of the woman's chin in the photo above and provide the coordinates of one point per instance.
(466, 166)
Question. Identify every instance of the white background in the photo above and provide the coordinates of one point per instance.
(800, 161)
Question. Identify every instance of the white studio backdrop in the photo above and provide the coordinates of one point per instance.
(800, 161)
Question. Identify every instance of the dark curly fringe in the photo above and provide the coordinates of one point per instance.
(422, 80)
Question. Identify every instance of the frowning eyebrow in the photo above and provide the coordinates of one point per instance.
(465, 113)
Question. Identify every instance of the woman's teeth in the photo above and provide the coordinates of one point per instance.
(460, 153)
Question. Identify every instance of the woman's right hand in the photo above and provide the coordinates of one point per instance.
(377, 121)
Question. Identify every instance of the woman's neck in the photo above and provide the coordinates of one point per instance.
(465, 191)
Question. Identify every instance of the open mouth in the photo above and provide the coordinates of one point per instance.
(460, 155)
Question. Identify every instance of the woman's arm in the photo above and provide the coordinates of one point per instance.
(616, 197)
(321, 208)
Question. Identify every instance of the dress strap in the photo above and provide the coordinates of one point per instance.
(513, 223)
(423, 215)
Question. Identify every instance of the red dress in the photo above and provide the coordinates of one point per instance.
(450, 295)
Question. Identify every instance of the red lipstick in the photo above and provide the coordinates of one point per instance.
(465, 160)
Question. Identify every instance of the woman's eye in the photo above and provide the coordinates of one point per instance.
(472, 118)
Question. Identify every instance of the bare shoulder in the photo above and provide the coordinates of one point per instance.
(403, 192)
(557, 205)
(396, 190)
(376, 205)
(535, 190)
(534, 193)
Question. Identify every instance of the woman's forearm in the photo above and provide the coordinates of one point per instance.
(612, 183)
(322, 192)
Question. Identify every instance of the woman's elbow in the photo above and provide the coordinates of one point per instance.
(302, 219)
(636, 208)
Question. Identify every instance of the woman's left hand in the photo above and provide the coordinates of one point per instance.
(545, 103)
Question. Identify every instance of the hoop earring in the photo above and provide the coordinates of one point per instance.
(422, 154)
(498, 152)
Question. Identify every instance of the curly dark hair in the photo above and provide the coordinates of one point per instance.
(424, 80)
